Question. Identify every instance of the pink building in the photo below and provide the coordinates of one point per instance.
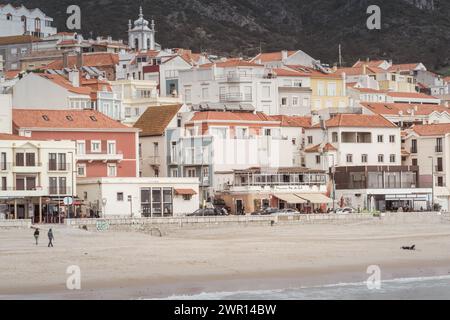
(104, 147)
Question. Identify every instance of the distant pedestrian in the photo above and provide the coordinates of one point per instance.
(36, 235)
(50, 238)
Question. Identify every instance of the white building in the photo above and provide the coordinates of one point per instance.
(428, 146)
(352, 140)
(34, 172)
(137, 96)
(285, 58)
(15, 21)
(140, 197)
(233, 84)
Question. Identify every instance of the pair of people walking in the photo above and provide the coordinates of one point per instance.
(49, 234)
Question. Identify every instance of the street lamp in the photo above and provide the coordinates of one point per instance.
(432, 182)
(333, 169)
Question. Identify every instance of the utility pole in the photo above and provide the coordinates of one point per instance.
(340, 56)
(432, 182)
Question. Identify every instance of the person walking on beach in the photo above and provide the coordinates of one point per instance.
(50, 238)
(36, 235)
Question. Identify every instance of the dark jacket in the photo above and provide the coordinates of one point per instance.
(50, 235)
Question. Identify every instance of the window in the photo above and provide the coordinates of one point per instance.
(392, 139)
(191, 173)
(81, 147)
(440, 166)
(320, 89)
(20, 160)
(53, 185)
(283, 101)
(111, 147)
(438, 144)
(413, 146)
(440, 181)
(364, 158)
(332, 89)
(119, 196)
(112, 170)
(380, 158)
(4, 184)
(9, 17)
(62, 185)
(241, 132)
(295, 101)
(30, 159)
(205, 93)
(155, 149)
(380, 138)
(318, 159)
(305, 102)
(52, 161)
(349, 158)
(13, 51)
(392, 158)
(187, 95)
(310, 139)
(266, 92)
(81, 170)
(414, 162)
(174, 173)
(62, 162)
(96, 146)
(219, 132)
(3, 161)
(334, 137)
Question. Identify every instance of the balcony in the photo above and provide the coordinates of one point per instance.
(26, 167)
(235, 97)
(59, 191)
(153, 161)
(439, 168)
(59, 167)
(35, 191)
(100, 156)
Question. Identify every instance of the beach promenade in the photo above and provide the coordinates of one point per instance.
(136, 264)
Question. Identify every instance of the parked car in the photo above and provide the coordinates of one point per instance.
(264, 212)
(220, 204)
(206, 213)
(345, 210)
(287, 211)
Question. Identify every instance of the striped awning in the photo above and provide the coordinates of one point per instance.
(316, 198)
(289, 198)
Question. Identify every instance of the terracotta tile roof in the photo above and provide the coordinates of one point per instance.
(438, 129)
(63, 82)
(17, 40)
(231, 116)
(11, 74)
(395, 108)
(370, 90)
(64, 119)
(311, 72)
(358, 120)
(327, 147)
(231, 63)
(5, 136)
(98, 59)
(287, 73)
(410, 95)
(185, 192)
(272, 56)
(371, 63)
(155, 120)
(67, 42)
(293, 121)
(403, 67)
(355, 71)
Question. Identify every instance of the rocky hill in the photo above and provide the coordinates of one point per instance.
(411, 30)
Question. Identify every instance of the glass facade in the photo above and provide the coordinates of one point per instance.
(157, 202)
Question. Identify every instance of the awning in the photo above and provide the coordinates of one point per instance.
(185, 192)
(289, 198)
(317, 198)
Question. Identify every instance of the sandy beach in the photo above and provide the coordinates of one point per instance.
(132, 265)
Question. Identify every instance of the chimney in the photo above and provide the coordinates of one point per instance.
(79, 60)
(364, 68)
(284, 55)
(74, 78)
(315, 119)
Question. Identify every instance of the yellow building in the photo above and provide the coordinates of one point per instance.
(328, 89)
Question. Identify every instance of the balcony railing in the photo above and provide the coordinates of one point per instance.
(27, 164)
(25, 188)
(235, 97)
(154, 160)
(53, 166)
(59, 191)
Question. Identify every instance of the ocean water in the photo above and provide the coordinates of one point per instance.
(427, 288)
